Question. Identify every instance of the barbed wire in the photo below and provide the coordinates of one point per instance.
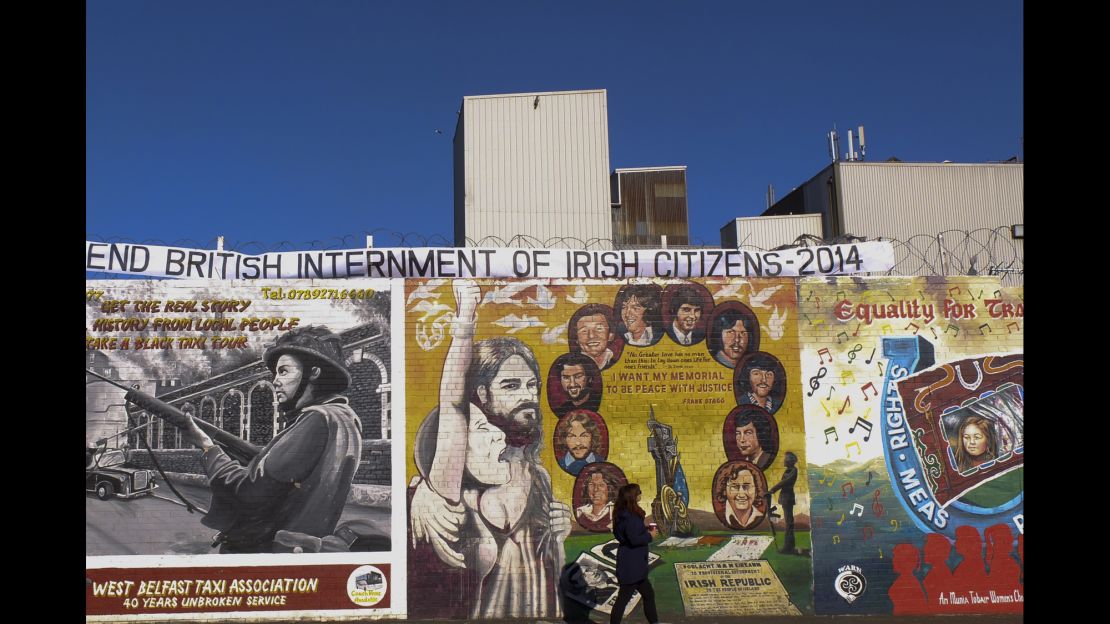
(983, 251)
(392, 238)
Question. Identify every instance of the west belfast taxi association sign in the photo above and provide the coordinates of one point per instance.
(449, 262)
(145, 591)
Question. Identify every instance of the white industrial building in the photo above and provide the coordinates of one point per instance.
(969, 210)
(533, 168)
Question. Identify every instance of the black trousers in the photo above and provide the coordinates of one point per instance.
(624, 594)
(788, 511)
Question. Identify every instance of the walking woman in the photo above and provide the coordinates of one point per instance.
(632, 553)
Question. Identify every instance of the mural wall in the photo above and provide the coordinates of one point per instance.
(813, 446)
(914, 418)
(238, 448)
(531, 402)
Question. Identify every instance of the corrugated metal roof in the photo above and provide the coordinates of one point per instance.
(529, 94)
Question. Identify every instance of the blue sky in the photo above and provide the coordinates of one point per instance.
(310, 121)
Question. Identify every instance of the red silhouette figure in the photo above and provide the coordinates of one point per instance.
(969, 579)
(1004, 570)
(1021, 556)
(938, 582)
(906, 593)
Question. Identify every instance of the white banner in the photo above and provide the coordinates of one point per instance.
(427, 262)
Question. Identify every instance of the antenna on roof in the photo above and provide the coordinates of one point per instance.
(834, 147)
(770, 195)
(851, 155)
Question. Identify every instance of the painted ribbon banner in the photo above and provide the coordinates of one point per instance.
(452, 262)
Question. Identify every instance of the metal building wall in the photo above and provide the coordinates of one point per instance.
(815, 196)
(915, 202)
(534, 164)
(818, 196)
(770, 232)
(459, 164)
(902, 200)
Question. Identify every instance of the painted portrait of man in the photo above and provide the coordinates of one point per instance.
(591, 331)
(595, 493)
(738, 494)
(298, 483)
(580, 439)
(760, 379)
(639, 310)
(687, 305)
(751, 434)
(733, 333)
(574, 382)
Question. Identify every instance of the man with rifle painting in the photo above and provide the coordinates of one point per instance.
(298, 483)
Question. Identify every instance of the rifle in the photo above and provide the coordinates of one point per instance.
(234, 446)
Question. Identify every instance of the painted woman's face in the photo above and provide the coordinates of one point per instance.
(484, 445)
(975, 440)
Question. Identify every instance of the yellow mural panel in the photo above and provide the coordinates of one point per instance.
(559, 392)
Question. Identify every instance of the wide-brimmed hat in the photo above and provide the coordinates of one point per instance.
(319, 344)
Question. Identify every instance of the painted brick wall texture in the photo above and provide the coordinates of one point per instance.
(375, 467)
(186, 461)
(885, 413)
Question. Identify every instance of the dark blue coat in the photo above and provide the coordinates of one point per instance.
(632, 554)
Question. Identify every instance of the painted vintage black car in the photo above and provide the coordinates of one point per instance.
(108, 477)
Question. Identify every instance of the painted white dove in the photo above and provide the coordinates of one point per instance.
(426, 290)
(517, 323)
(777, 324)
(543, 298)
(580, 296)
(429, 308)
(730, 290)
(551, 336)
(505, 294)
(758, 299)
